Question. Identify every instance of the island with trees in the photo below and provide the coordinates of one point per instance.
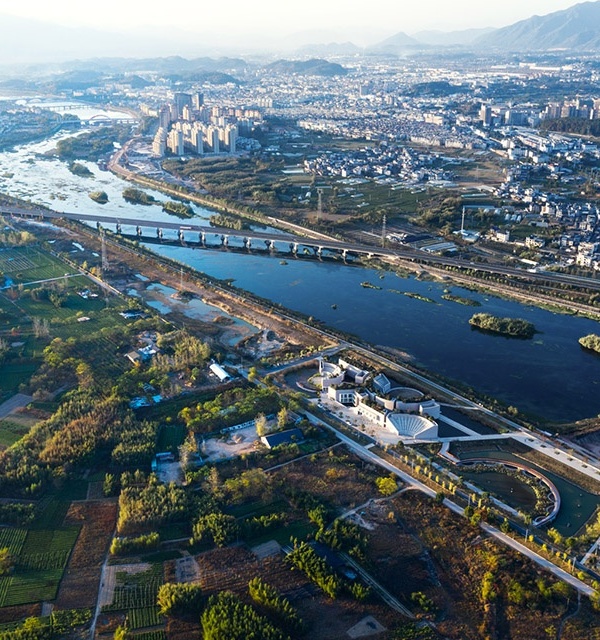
(511, 327)
(137, 196)
(179, 209)
(591, 342)
(78, 169)
(101, 197)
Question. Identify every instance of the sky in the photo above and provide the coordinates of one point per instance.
(280, 16)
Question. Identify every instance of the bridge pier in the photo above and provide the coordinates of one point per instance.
(138, 231)
(226, 240)
(118, 228)
(202, 238)
(159, 233)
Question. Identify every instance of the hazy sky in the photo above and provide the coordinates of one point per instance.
(283, 16)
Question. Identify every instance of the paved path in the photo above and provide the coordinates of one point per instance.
(18, 401)
(577, 584)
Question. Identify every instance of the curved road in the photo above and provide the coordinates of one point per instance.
(577, 584)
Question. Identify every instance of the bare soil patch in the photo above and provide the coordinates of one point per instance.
(232, 569)
(80, 584)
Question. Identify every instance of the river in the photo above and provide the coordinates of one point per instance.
(549, 376)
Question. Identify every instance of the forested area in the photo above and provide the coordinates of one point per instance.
(580, 126)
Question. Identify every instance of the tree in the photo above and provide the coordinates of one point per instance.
(219, 527)
(227, 618)
(121, 633)
(180, 598)
(109, 486)
(282, 417)
(6, 561)
(260, 422)
(386, 485)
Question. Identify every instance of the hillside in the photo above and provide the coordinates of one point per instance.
(575, 28)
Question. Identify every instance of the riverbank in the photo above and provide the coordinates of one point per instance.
(506, 289)
(128, 263)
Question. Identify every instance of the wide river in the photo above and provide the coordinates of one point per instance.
(550, 376)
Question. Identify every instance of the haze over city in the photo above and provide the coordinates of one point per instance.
(234, 26)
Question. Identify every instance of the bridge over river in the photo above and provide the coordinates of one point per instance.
(191, 232)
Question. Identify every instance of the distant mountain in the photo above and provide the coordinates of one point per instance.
(396, 44)
(331, 49)
(451, 38)
(312, 67)
(27, 41)
(575, 28)
(163, 65)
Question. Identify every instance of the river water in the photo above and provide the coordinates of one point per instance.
(549, 376)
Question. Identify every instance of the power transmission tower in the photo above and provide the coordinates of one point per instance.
(319, 203)
(383, 230)
(105, 265)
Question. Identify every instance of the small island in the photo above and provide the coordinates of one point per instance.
(418, 296)
(510, 327)
(590, 342)
(468, 302)
(178, 209)
(220, 220)
(369, 285)
(136, 196)
(101, 197)
(81, 170)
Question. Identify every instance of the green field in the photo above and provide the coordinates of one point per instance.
(143, 618)
(37, 295)
(11, 431)
(39, 566)
(137, 591)
(30, 264)
(170, 437)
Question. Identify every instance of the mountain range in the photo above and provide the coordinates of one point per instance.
(576, 28)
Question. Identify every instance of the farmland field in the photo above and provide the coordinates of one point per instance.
(39, 565)
(27, 264)
(79, 587)
(136, 590)
(143, 618)
(14, 428)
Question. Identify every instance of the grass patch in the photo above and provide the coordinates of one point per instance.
(257, 508)
(10, 432)
(13, 374)
(174, 531)
(170, 437)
